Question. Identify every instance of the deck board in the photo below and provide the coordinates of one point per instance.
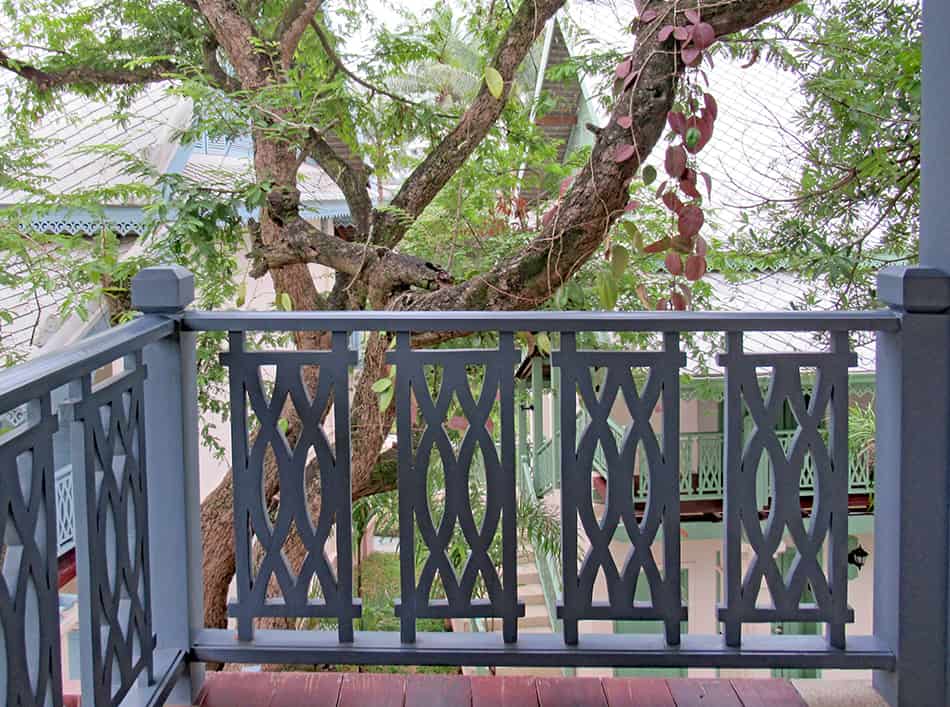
(372, 690)
(703, 693)
(571, 692)
(639, 692)
(509, 691)
(767, 693)
(308, 689)
(438, 691)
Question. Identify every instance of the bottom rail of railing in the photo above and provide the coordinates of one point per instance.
(539, 650)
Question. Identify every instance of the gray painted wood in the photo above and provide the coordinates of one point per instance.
(661, 389)
(829, 516)
(252, 521)
(29, 596)
(911, 496)
(415, 514)
(541, 321)
(112, 562)
(628, 650)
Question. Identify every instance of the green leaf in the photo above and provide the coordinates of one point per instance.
(382, 384)
(284, 302)
(619, 259)
(692, 137)
(544, 343)
(386, 398)
(241, 295)
(606, 290)
(282, 425)
(496, 84)
(649, 174)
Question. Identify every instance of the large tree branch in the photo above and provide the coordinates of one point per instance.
(351, 181)
(239, 39)
(293, 23)
(383, 270)
(219, 76)
(46, 79)
(599, 192)
(427, 180)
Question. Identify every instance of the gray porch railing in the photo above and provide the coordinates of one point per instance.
(133, 440)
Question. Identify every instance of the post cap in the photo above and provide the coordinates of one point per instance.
(163, 290)
(914, 289)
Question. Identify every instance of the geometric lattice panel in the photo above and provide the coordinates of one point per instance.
(659, 463)
(269, 586)
(457, 461)
(112, 533)
(806, 591)
(29, 598)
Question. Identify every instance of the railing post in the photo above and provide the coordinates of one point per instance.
(911, 497)
(171, 410)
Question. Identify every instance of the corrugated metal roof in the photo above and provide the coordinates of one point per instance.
(80, 124)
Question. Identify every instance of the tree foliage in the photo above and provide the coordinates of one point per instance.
(854, 206)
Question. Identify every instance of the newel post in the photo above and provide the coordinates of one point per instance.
(912, 470)
(171, 409)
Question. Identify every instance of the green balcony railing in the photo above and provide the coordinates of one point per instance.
(701, 477)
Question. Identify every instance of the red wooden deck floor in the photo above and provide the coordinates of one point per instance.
(387, 690)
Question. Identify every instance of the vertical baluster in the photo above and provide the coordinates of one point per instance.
(407, 485)
(732, 468)
(571, 487)
(509, 532)
(240, 369)
(341, 496)
(673, 596)
(837, 497)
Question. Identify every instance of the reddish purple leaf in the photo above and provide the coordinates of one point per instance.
(672, 202)
(681, 34)
(689, 187)
(695, 267)
(701, 246)
(712, 108)
(674, 263)
(649, 15)
(663, 304)
(708, 178)
(703, 35)
(660, 189)
(658, 246)
(665, 32)
(624, 153)
(691, 219)
(712, 64)
(625, 121)
(458, 423)
(633, 205)
(675, 161)
(678, 301)
(677, 122)
(624, 67)
(693, 16)
(692, 56)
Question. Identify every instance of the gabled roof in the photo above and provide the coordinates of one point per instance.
(77, 133)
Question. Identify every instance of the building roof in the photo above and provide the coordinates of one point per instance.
(770, 292)
(76, 134)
